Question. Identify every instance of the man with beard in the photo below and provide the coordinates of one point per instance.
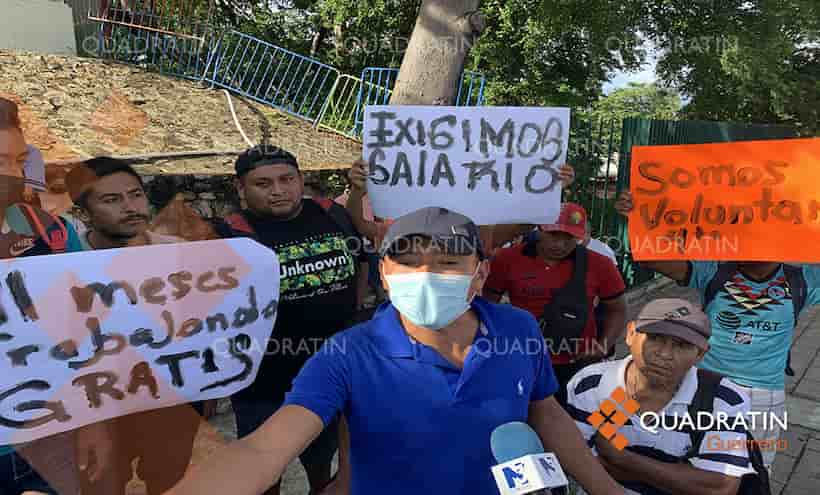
(315, 241)
(114, 206)
(753, 308)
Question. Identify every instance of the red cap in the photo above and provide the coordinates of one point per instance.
(572, 220)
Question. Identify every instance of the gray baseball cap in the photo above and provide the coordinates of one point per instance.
(677, 318)
(456, 233)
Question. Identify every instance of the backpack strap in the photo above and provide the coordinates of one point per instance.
(703, 401)
(55, 236)
(578, 282)
(760, 484)
(797, 287)
(340, 217)
(579, 273)
(724, 273)
(238, 223)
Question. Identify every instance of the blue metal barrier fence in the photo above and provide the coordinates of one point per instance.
(269, 74)
(470, 90)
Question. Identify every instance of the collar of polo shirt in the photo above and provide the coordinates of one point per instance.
(684, 395)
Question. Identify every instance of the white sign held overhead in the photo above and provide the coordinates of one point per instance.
(497, 165)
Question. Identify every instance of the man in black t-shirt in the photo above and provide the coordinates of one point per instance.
(314, 240)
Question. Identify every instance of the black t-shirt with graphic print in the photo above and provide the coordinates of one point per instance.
(317, 296)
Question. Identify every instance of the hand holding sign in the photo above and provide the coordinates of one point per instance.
(358, 175)
(467, 159)
(95, 444)
(566, 174)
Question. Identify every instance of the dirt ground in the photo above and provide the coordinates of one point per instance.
(79, 107)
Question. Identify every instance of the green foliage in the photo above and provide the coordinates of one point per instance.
(648, 101)
(640, 100)
(592, 143)
(554, 52)
(753, 61)
(334, 182)
(735, 60)
(349, 35)
(367, 33)
(595, 142)
(534, 52)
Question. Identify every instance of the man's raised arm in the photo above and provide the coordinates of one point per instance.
(355, 201)
(252, 465)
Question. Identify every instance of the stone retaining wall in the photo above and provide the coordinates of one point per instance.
(214, 196)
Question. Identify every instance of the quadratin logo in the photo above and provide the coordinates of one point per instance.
(612, 414)
(720, 421)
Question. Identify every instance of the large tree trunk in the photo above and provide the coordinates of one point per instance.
(432, 66)
(318, 39)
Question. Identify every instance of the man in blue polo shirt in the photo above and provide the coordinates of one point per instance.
(422, 385)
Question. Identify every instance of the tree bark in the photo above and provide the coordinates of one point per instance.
(318, 39)
(339, 40)
(431, 70)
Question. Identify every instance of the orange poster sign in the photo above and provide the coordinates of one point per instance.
(741, 201)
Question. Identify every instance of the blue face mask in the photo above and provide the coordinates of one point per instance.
(430, 300)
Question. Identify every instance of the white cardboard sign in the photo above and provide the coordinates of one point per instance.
(89, 336)
(496, 165)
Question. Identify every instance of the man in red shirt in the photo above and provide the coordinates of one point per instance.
(557, 280)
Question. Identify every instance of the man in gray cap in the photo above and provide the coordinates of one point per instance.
(422, 385)
(618, 406)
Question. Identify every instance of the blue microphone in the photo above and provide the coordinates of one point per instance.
(513, 440)
(523, 467)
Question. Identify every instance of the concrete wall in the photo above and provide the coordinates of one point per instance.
(43, 26)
